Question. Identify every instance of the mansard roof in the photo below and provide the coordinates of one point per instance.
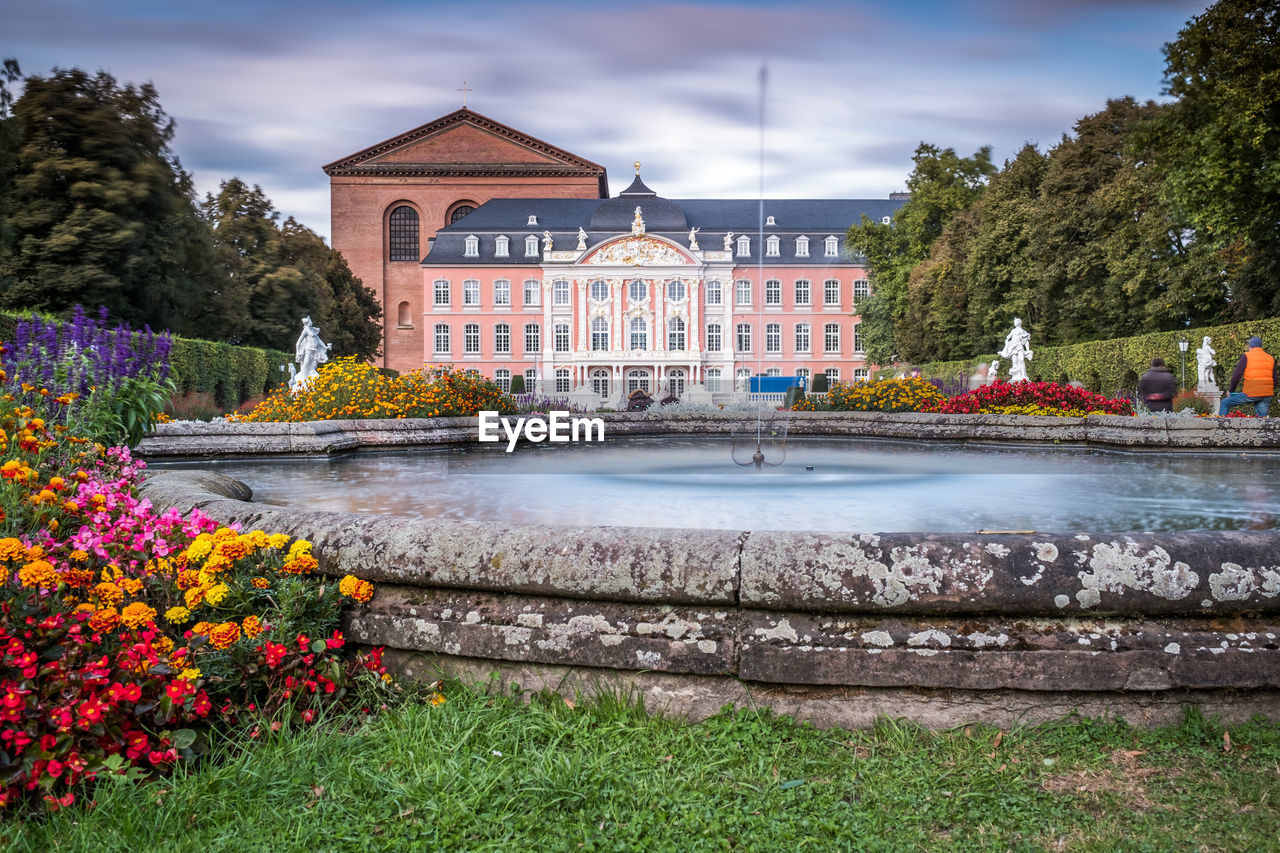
(412, 154)
(815, 218)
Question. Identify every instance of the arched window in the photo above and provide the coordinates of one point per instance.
(675, 334)
(404, 234)
(773, 338)
(599, 291)
(802, 247)
(473, 246)
(600, 334)
(771, 245)
(502, 377)
(744, 245)
(831, 246)
(831, 337)
(502, 338)
(403, 318)
(502, 246)
(460, 211)
(639, 334)
(600, 382)
(676, 290)
(675, 382)
(531, 246)
(442, 339)
(637, 378)
(471, 338)
(857, 337)
(562, 380)
(638, 291)
(712, 377)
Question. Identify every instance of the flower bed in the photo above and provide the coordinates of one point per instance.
(349, 389)
(1030, 398)
(881, 395)
(126, 635)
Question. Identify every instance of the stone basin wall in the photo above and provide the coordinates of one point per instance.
(941, 628)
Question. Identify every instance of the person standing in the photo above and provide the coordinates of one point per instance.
(1156, 387)
(1260, 374)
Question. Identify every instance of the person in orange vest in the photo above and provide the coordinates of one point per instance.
(1261, 375)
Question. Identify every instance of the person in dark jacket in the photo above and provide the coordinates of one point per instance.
(1261, 375)
(1156, 387)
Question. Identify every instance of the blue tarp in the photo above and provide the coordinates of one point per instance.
(774, 384)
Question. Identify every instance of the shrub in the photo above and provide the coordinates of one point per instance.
(879, 395)
(819, 384)
(795, 398)
(517, 384)
(1032, 398)
(1191, 400)
(346, 389)
(193, 406)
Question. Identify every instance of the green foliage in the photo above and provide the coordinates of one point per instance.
(232, 374)
(795, 397)
(878, 395)
(517, 384)
(818, 384)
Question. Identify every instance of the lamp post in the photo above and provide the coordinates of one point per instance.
(1183, 343)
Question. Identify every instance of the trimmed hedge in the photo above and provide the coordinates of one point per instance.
(231, 374)
(1113, 366)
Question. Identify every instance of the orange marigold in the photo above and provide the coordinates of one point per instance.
(108, 593)
(224, 635)
(137, 614)
(353, 587)
(260, 583)
(38, 573)
(104, 619)
(253, 626)
(12, 549)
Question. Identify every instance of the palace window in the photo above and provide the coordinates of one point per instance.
(802, 337)
(712, 378)
(532, 338)
(502, 377)
(831, 291)
(857, 337)
(502, 339)
(676, 291)
(533, 219)
(404, 234)
(769, 221)
(773, 292)
(562, 337)
(744, 245)
(773, 338)
(639, 334)
(502, 292)
(460, 211)
(744, 337)
(562, 380)
(599, 291)
(831, 337)
(802, 373)
(802, 292)
(773, 371)
(772, 245)
(742, 289)
(833, 376)
(802, 247)
(441, 339)
(714, 293)
(502, 246)
(675, 382)
(472, 246)
(713, 337)
(531, 246)
(600, 383)
(471, 292)
(560, 292)
(675, 334)
(831, 247)
(861, 290)
(441, 290)
(860, 374)
(531, 380)
(532, 292)
(471, 338)
(637, 378)
(600, 334)
(743, 379)
(637, 291)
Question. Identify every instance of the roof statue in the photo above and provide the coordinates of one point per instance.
(693, 238)
(546, 241)
(728, 241)
(637, 224)
(582, 239)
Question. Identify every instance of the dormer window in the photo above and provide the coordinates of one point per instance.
(771, 245)
(802, 247)
(769, 221)
(886, 220)
(744, 245)
(531, 246)
(832, 246)
(533, 219)
(501, 247)
(473, 246)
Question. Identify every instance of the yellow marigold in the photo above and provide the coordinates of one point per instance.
(177, 615)
(38, 574)
(12, 549)
(131, 586)
(78, 556)
(86, 607)
(137, 614)
(199, 548)
(194, 596)
(191, 673)
(108, 593)
(278, 540)
(252, 626)
(299, 546)
(260, 583)
(353, 587)
(214, 594)
(104, 619)
(224, 635)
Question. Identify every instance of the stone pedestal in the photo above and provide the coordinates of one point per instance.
(1211, 393)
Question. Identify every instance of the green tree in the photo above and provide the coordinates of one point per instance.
(941, 184)
(1218, 146)
(98, 209)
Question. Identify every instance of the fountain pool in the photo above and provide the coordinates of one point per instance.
(845, 484)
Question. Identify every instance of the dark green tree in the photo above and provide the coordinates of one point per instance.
(941, 184)
(1217, 146)
(99, 211)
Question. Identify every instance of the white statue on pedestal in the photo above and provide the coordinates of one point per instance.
(1205, 363)
(993, 372)
(582, 239)
(728, 242)
(309, 352)
(1017, 348)
(693, 238)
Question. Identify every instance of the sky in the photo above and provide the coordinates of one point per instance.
(271, 91)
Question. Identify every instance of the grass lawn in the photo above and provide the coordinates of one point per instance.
(485, 772)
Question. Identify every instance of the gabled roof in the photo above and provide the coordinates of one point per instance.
(418, 153)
